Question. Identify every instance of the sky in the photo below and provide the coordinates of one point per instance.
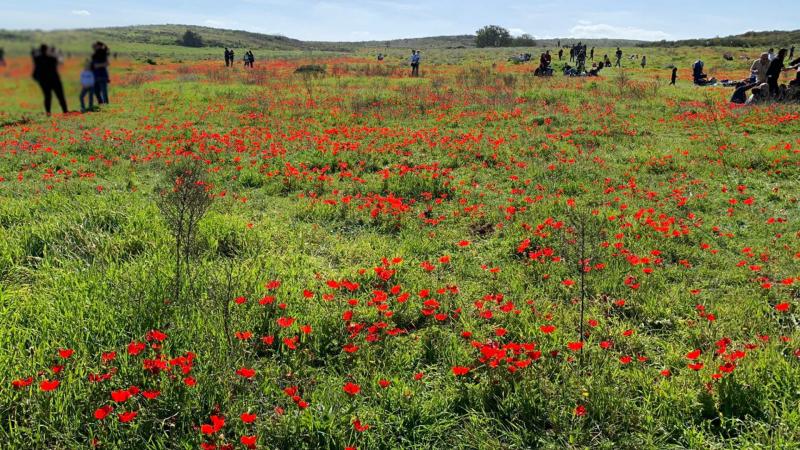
(358, 20)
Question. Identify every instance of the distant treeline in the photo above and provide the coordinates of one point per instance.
(762, 39)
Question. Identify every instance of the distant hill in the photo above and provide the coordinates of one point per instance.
(144, 40)
(762, 39)
(169, 35)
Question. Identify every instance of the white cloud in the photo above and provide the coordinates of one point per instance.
(602, 30)
(81, 12)
(517, 31)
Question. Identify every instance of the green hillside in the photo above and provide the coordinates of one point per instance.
(749, 39)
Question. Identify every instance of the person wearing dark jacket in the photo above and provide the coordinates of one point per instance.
(740, 94)
(45, 72)
(674, 76)
(774, 71)
(100, 68)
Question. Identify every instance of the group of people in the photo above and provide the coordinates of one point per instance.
(94, 78)
(765, 76)
(580, 54)
(230, 55)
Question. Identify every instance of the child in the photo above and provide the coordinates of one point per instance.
(87, 86)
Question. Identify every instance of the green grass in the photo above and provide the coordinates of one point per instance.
(327, 179)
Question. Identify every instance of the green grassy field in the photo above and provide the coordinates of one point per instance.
(474, 259)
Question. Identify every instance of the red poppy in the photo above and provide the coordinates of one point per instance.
(134, 348)
(248, 417)
(103, 412)
(460, 371)
(580, 410)
(22, 382)
(248, 441)
(48, 385)
(65, 353)
(384, 383)
(151, 395)
(360, 427)
(575, 346)
(285, 322)
(782, 307)
(547, 329)
(696, 366)
(351, 388)
(693, 355)
(246, 373)
(127, 416)
(121, 395)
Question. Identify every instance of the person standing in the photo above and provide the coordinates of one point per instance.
(674, 76)
(415, 58)
(774, 71)
(45, 72)
(791, 52)
(759, 68)
(771, 54)
(100, 70)
(3, 56)
(227, 57)
(619, 58)
(87, 87)
(644, 61)
(560, 54)
(591, 54)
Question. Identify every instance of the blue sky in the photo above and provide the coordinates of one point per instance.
(338, 20)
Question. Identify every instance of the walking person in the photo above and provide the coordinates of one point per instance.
(618, 54)
(100, 69)
(560, 54)
(232, 57)
(591, 54)
(644, 61)
(251, 58)
(674, 76)
(45, 72)
(87, 87)
(227, 57)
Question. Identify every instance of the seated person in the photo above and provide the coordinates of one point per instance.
(796, 81)
(740, 94)
(759, 94)
(699, 77)
(596, 68)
